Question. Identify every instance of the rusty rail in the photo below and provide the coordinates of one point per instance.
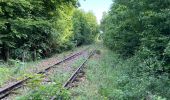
(5, 91)
(75, 74)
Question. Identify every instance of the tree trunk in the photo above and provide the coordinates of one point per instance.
(23, 56)
(34, 55)
(5, 52)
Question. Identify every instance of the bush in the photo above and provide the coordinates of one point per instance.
(138, 31)
(46, 92)
(134, 79)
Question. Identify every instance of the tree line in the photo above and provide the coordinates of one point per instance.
(38, 28)
(140, 29)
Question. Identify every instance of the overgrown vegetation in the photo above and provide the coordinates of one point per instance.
(5, 73)
(138, 30)
(39, 91)
(46, 92)
(109, 77)
(17, 70)
(85, 27)
(34, 29)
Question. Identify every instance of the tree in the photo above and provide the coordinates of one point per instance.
(30, 25)
(85, 27)
(141, 29)
(132, 26)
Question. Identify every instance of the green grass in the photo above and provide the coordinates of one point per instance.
(15, 71)
(46, 92)
(108, 77)
(18, 70)
(98, 74)
(62, 75)
(58, 79)
(4, 74)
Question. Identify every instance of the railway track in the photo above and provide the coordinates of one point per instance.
(75, 75)
(7, 90)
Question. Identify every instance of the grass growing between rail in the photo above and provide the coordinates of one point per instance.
(62, 75)
(39, 91)
(16, 70)
(109, 77)
(98, 74)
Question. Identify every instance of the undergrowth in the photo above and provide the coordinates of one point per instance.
(39, 91)
(15, 69)
(46, 92)
(108, 77)
(4, 74)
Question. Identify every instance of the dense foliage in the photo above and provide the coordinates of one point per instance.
(30, 25)
(138, 25)
(140, 29)
(85, 27)
(37, 28)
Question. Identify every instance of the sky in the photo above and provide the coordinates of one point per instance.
(96, 6)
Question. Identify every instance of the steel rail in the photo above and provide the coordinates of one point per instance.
(75, 74)
(5, 91)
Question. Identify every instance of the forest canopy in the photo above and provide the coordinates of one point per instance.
(85, 27)
(38, 28)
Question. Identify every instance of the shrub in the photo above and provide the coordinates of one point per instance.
(46, 92)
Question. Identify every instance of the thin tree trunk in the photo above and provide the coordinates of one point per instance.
(34, 55)
(5, 52)
(23, 56)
